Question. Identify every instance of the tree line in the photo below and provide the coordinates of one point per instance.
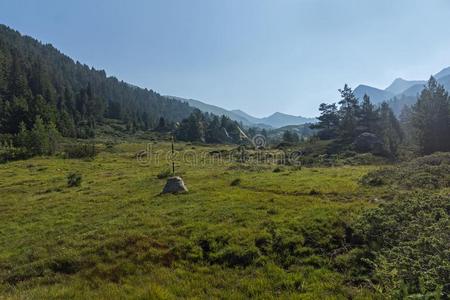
(424, 126)
(37, 82)
(209, 128)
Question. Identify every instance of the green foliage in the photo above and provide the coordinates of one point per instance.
(164, 174)
(74, 179)
(328, 121)
(290, 137)
(235, 182)
(352, 118)
(429, 172)
(204, 127)
(430, 118)
(11, 153)
(79, 150)
(38, 80)
(410, 237)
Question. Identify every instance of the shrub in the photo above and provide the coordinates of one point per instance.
(13, 153)
(409, 237)
(277, 170)
(80, 150)
(236, 255)
(429, 172)
(314, 192)
(236, 182)
(74, 179)
(164, 174)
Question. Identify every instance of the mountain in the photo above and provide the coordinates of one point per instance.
(216, 110)
(401, 92)
(443, 73)
(246, 116)
(400, 85)
(275, 120)
(376, 95)
(37, 80)
(278, 120)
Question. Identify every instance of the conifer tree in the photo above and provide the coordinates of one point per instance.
(431, 118)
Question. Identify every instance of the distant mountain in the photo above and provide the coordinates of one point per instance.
(246, 116)
(212, 109)
(376, 95)
(400, 85)
(303, 131)
(275, 120)
(401, 92)
(278, 120)
(443, 73)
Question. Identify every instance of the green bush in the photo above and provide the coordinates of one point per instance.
(235, 182)
(429, 172)
(410, 239)
(79, 150)
(164, 174)
(278, 170)
(74, 179)
(12, 153)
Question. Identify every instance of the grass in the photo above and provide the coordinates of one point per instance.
(273, 235)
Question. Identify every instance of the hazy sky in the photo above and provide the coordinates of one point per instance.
(260, 56)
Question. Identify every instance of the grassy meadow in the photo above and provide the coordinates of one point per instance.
(273, 233)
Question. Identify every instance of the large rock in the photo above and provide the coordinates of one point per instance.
(174, 185)
(368, 142)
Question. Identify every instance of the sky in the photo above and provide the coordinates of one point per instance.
(260, 56)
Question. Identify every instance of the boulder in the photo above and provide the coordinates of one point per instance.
(174, 185)
(368, 142)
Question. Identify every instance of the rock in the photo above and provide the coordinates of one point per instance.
(174, 185)
(368, 142)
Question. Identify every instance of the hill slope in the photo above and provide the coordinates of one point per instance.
(38, 80)
(400, 85)
(376, 95)
(275, 120)
(401, 92)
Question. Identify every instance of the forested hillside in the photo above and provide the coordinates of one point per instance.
(38, 80)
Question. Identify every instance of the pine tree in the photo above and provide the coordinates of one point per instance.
(328, 121)
(348, 111)
(23, 137)
(39, 141)
(431, 118)
(390, 130)
(368, 116)
(54, 138)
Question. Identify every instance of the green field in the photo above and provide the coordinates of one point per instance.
(274, 235)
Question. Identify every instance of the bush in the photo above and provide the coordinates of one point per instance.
(429, 172)
(80, 150)
(164, 174)
(12, 153)
(277, 170)
(74, 179)
(410, 239)
(235, 182)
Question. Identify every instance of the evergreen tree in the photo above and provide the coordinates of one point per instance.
(290, 137)
(368, 116)
(328, 121)
(431, 118)
(349, 112)
(39, 141)
(390, 130)
(408, 129)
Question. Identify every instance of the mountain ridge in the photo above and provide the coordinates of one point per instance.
(275, 120)
(401, 92)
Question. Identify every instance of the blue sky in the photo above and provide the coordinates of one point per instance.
(260, 56)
